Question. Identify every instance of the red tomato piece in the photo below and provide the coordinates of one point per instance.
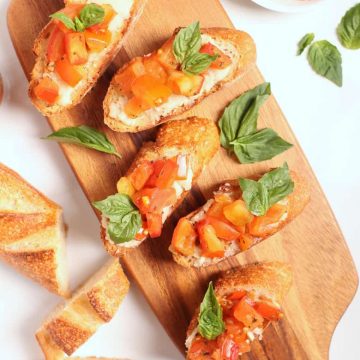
(222, 61)
(153, 200)
(201, 346)
(268, 311)
(244, 312)
(184, 237)
(75, 46)
(154, 224)
(56, 45)
(238, 295)
(167, 174)
(223, 229)
(47, 90)
(211, 245)
(141, 174)
(69, 73)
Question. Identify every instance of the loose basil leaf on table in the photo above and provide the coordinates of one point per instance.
(210, 321)
(124, 218)
(349, 28)
(84, 136)
(305, 41)
(325, 59)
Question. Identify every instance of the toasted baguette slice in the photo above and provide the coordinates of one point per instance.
(238, 45)
(295, 202)
(32, 233)
(271, 280)
(127, 14)
(94, 304)
(196, 138)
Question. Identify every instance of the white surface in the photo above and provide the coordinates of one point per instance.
(291, 6)
(324, 118)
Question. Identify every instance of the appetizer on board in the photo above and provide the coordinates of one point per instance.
(32, 236)
(241, 214)
(192, 64)
(74, 49)
(93, 305)
(244, 302)
(158, 180)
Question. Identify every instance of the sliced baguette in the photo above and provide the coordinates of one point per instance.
(32, 233)
(94, 304)
(241, 49)
(194, 137)
(272, 280)
(297, 201)
(93, 69)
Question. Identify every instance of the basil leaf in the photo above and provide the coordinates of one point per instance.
(125, 229)
(115, 206)
(325, 59)
(305, 41)
(259, 146)
(197, 63)
(255, 195)
(349, 28)
(240, 117)
(66, 20)
(187, 42)
(84, 136)
(79, 25)
(210, 321)
(92, 14)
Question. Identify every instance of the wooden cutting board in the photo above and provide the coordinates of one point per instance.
(325, 276)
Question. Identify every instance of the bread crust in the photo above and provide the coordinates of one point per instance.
(241, 41)
(196, 137)
(297, 201)
(39, 50)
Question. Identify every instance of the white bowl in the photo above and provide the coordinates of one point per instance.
(289, 5)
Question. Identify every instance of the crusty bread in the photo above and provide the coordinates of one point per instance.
(93, 71)
(272, 280)
(94, 304)
(195, 137)
(92, 358)
(297, 201)
(32, 233)
(246, 57)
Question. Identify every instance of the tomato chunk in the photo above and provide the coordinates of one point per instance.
(222, 61)
(223, 229)
(154, 200)
(141, 174)
(165, 174)
(184, 237)
(56, 45)
(97, 41)
(124, 186)
(237, 213)
(201, 349)
(136, 106)
(166, 56)
(267, 311)
(75, 47)
(211, 245)
(183, 84)
(238, 295)
(154, 224)
(245, 241)
(154, 68)
(47, 90)
(244, 312)
(69, 73)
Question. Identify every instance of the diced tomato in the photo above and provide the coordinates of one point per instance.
(224, 197)
(211, 245)
(244, 312)
(154, 200)
(268, 311)
(216, 211)
(184, 237)
(223, 229)
(154, 68)
(237, 295)
(141, 174)
(69, 73)
(183, 84)
(56, 45)
(109, 15)
(154, 224)
(124, 186)
(229, 350)
(233, 326)
(222, 61)
(244, 346)
(75, 48)
(166, 56)
(97, 41)
(200, 347)
(47, 90)
(135, 106)
(165, 174)
(237, 213)
(245, 241)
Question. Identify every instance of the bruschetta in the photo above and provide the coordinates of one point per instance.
(225, 226)
(74, 49)
(160, 177)
(244, 302)
(192, 64)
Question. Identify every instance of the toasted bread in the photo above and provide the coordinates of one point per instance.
(94, 304)
(93, 69)
(243, 53)
(194, 137)
(297, 201)
(32, 233)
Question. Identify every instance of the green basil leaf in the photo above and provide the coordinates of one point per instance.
(115, 206)
(210, 321)
(325, 59)
(92, 14)
(349, 28)
(305, 41)
(187, 42)
(84, 136)
(240, 117)
(67, 21)
(125, 229)
(259, 146)
(197, 63)
(79, 25)
(255, 195)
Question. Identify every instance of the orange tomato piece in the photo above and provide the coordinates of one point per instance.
(124, 186)
(75, 48)
(245, 242)
(56, 45)
(201, 349)
(237, 213)
(136, 106)
(211, 245)
(222, 61)
(268, 311)
(245, 313)
(223, 229)
(216, 211)
(183, 84)
(153, 200)
(154, 68)
(154, 224)
(166, 56)
(158, 165)
(141, 174)
(67, 72)
(237, 295)
(167, 174)
(47, 90)
(184, 237)
(97, 41)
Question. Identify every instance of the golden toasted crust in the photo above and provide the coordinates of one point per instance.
(297, 201)
(241, 41)
(92, 75)
(50, 349)
(195, 137)
(272, 279)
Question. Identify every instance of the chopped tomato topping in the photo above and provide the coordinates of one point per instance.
(223, 229)
(154, 224)
(201, 349)
(237, 213)
(56, 45)
(68, 72)
(97, 41)
(244, 312)
(75, 47)
(268, 311)
(222, 61)
(237, 295)
(154, 200)
(109, 15)
(166, 56)
(47, 90)
(135, 106)
(164, 175)
(184, 237)
(211, 245)
(245, 242)
(183, 84)
(154, 68)
(216, 211)
(124, 186)
(221, 197)
(229, 350)
(141, 174)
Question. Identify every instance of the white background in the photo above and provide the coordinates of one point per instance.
(324, 117)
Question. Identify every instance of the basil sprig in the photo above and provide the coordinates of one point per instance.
(124, 218)
(349, 28)
(186, 46)
(260, 195)
(84, 136)
(91, 14)
(210, 321)
(305, 41)
(239, 133)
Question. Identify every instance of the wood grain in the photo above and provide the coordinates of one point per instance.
(325, 276)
